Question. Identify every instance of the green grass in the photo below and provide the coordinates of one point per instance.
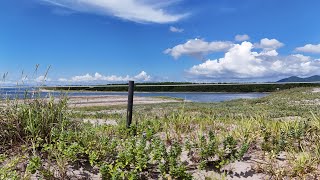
(48, 137)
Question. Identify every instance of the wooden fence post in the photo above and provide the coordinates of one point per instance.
(130, 103)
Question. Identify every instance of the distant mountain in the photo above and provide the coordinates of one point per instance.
(298, 79)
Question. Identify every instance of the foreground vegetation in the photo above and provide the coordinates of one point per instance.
(278, 136)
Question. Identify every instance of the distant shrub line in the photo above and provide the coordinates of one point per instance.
(200, 88)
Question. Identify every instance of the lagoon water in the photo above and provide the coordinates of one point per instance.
(189, 96)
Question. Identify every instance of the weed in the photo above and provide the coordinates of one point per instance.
(213, 135)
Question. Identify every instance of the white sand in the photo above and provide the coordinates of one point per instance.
(316, 90)
(113, 100)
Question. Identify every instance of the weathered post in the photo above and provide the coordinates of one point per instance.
(130, 103)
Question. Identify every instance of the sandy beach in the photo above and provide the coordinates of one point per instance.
(108, 100)
(87, 101)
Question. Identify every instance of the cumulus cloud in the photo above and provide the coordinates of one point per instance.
(26, 80)
(63, 80)
(241, 37)
(97, 77)
(309, 48)
(242, 62)
(132, 10)
(42, 79)
(198, 48)
(143, 76)
(175, 29)
(269, 44)
(266, 53)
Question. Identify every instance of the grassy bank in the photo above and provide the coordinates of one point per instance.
(188, 87)
(276, 137)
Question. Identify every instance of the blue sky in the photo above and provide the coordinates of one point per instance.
(109, 41)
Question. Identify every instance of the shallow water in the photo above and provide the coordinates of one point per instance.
(189, 96)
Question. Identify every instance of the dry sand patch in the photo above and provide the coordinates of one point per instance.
(316, 90)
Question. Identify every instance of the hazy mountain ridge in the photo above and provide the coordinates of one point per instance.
(314, 78)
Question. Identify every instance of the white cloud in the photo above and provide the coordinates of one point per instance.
(198, 48)
(175, 29)
(240, 38)
(269, 44)
(63, 80)
(143, 76)
(132, 10)
(266, 53)
(241, 62)
(6, 83)
(309, 48)
(97, 77)
(41, 79)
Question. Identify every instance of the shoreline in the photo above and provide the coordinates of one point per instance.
(89, 101)
(155, 92)
(109, 100)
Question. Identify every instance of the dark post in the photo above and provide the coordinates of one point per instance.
(130, 103)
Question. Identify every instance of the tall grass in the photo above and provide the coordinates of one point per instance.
(30, 119)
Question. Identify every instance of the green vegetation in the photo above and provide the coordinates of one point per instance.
(179, 87)
(279, 134)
